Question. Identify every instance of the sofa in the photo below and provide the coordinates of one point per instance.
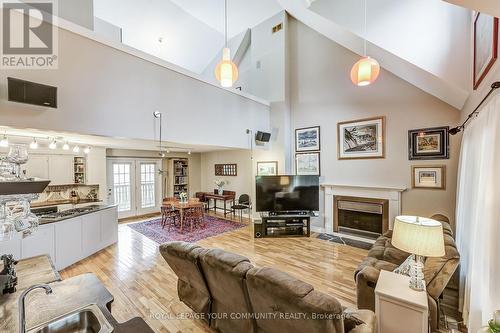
(384, 256)
(232, 295)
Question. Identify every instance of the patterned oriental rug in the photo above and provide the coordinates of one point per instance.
(152, 229)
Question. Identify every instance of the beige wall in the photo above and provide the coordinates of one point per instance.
(322, 94)
(242, 183)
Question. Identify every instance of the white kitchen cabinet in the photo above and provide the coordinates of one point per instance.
(37, 166)
(109, 226)
(12, 246)
(68, 242)
(39, 243)
(91, 233)
(61, 169)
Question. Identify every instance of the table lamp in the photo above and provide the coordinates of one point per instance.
(422, 237)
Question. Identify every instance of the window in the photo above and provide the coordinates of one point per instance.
(121, 186)
(148, 171)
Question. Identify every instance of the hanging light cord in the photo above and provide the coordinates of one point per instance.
(225, 22)
(364, 44)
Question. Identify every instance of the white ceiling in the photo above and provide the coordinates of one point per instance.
(242, 14)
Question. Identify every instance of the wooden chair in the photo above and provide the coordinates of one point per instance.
(170, 199)
(169, 215)
(194, 216)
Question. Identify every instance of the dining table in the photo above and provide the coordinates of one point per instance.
(182, 206)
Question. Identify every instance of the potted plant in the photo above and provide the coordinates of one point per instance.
(220, 184)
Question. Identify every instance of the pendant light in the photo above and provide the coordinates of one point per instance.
(366, 70)
(226, 71)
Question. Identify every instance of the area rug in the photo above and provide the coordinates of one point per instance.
(213, 226)
(346, 241)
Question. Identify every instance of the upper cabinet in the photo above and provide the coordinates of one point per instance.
(61, 169)
(37, 166)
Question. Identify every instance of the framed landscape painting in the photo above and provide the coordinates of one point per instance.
(429, 177)
(307, 139)
(429, 143)
(485, 45)
(307, 164)
(267, 168)
(363, 138)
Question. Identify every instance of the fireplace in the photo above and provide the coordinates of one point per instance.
(365, 217)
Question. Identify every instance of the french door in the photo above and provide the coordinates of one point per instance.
(134, 185)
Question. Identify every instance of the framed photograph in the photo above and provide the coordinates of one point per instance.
(307, 139)
(429, 143)
(363, 138)
(268, 168)
(429, 177)
(307, 164)
(485, 46)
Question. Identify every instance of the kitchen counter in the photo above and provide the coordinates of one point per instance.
(42, 204)
(68, 295)
(96, 208)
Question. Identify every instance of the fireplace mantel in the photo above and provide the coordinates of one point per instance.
(392, 194)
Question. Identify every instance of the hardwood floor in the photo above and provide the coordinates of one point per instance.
(144, 285)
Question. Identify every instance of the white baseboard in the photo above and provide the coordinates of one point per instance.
(317, 229)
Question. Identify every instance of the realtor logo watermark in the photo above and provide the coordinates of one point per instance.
(29, 36)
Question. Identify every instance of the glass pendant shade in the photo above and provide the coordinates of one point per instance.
(365, 71)
(226, 71)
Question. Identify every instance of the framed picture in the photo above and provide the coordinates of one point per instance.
(429, 143)
(307, 164)
(363, 138)
(485, 46)
(429, 177)
(307, 139)
(269, 168)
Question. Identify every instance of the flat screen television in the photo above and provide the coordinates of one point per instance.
(287, 193)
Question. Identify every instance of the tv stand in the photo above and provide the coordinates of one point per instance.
(284, 224)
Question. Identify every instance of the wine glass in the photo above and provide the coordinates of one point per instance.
(18, 154)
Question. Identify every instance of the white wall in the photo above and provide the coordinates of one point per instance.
(105, 91)
(428, 33)
(188, 42)
(322, 94)
(107, 30)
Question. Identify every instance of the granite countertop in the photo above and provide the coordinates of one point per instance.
(95, 209)
(68, 295)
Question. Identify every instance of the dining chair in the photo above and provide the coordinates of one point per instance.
(244, 202)
(169, 215)
(194, 217)
(170, 199)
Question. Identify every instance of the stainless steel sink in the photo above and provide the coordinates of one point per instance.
(89, 319)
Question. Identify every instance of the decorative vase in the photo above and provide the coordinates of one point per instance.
(220, 191)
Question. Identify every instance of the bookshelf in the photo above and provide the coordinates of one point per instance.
(79, 170)
(179, 171)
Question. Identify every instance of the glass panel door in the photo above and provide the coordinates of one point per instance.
(121, 191)
(148, 176)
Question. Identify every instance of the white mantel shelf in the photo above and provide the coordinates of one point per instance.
(366, 187)
(392, 194)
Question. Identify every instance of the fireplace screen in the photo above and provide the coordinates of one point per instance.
(360, 217)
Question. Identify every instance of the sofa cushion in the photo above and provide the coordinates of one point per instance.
(225, 275)
(382, 249)
(365, 321)
(281, 295)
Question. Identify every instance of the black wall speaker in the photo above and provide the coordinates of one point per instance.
(262, 136)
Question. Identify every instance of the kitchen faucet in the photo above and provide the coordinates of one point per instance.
(22, 310)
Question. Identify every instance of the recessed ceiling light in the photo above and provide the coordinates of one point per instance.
(53, 144)
(34, 144)
(161, 40)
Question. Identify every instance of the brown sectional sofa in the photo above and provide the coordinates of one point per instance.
(384, 256)
(234, 296)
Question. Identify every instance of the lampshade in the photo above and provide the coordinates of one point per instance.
(418, 235)
(365, 71)
(226, 71)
